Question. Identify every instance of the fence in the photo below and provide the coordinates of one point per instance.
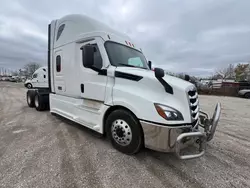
(223, 89)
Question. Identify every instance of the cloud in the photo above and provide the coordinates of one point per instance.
(191, 36)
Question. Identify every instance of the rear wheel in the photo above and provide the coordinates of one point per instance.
(247, 95)
(30, 99)
(124, 131)
(39, 103)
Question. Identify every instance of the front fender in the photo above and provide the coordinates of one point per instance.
(128, 106)
(140, 96)
(142, 107)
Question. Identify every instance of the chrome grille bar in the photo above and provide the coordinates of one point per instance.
(194, 103)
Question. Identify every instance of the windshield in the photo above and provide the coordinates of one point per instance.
(121, 55)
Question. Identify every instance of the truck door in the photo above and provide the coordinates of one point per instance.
(93, 84)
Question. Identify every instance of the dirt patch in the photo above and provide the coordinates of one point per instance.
(41, 150)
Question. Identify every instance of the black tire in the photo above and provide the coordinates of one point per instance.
(30, 99)
(29, 86)
(247, 95)
(136, 136)
(39, 102)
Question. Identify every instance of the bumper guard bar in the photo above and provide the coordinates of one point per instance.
(209, 126)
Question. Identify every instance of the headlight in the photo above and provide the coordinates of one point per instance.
(168, 113)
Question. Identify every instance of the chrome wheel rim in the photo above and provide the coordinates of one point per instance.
(36, 101)
(121, 132)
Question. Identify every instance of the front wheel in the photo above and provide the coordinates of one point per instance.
(124, 131)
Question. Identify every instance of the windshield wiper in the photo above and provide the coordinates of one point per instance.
(127, 65)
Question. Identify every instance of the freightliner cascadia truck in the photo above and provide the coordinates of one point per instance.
(99, 78)
(39, 79)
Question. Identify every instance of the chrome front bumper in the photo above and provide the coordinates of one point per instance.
(175, 138)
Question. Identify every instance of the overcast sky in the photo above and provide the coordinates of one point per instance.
(194, 36)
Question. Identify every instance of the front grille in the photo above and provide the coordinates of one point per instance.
(194, 104)
(194, 122)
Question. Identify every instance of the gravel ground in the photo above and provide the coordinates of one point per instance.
(41, 150)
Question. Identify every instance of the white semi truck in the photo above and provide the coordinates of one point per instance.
(100, 79)
(39, 79)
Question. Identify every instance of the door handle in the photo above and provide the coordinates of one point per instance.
(82, 88)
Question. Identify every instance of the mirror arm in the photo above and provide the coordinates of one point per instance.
(95, 69)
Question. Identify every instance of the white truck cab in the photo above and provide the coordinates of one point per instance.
(99, 78)
(39, 79)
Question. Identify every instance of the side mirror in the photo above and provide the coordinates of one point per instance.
(150, 65)
(159, 73)
(88, 56)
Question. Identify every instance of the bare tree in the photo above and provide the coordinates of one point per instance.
(227, 72)
(30, 68)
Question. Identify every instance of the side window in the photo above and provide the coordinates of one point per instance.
(97, 57)
(60, 30)
(34, 75)
(58, 63)
(44, 76)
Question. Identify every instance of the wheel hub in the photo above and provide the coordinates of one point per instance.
(121, 132)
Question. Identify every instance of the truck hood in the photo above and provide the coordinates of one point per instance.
(174, 82)
(149, 90)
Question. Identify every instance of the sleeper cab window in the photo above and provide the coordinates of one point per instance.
(60, 30)
(58, 63)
